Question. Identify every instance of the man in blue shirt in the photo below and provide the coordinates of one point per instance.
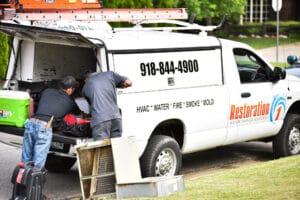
(53, 105)
(100, 91)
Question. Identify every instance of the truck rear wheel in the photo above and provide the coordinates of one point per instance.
(59, 163)
(162, 157)
(287, 141)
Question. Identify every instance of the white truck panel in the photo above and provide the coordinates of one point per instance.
(160, 71)
(194, 107)
(48, 67)
(26, 61)
(126, 40)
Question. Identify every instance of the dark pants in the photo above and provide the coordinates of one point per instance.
(107, 129)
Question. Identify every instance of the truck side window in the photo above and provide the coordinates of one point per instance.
(250, 67)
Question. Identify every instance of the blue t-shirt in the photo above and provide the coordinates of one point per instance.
(100, 91)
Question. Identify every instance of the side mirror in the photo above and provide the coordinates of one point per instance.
(291, 59)
(278, 74)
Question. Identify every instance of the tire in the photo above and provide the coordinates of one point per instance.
(162, 157)
(59, 163)
(287, 141)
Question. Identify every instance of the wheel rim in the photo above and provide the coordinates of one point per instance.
(166, 163)
(294, 141)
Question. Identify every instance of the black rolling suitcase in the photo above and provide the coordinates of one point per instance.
(28, 181)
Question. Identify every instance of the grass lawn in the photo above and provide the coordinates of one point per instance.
(260, 43)
(279, 64)
(273, 180)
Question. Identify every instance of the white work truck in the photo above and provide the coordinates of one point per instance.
(190, 92)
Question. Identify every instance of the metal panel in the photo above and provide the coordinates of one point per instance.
(151, 187)
(96, 170)
(101, 163)
(34, 33)
(126, 160)
(54, 61)
(104, 180)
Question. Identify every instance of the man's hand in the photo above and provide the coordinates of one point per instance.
(126, 83)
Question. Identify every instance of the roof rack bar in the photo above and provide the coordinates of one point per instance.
(180, 26)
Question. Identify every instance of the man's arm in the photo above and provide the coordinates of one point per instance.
(121, 81)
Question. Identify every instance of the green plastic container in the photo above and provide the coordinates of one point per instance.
(14, 107)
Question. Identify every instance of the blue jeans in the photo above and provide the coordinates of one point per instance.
(36, 143)
(107, 129)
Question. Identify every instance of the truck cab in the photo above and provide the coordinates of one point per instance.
(190, 92)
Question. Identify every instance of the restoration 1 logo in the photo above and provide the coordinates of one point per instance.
(278, 108)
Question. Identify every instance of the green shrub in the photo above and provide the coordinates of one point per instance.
(4, 54)
(289, 28)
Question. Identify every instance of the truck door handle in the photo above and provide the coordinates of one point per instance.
(245, 94)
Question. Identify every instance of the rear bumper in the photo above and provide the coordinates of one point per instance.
(57, 136)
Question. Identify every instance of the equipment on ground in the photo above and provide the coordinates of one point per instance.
(28, 181)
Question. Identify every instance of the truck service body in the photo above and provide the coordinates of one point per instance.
(190, 92)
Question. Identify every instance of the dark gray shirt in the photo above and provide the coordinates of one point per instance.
(100, 91)
(55, 102)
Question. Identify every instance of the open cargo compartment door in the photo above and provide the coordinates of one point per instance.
(49, 53)
(47, 35)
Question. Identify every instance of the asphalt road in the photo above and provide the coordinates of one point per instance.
(67, 186)
(58, 185)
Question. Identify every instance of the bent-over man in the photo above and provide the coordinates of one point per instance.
(100, 91)
(54, 104)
